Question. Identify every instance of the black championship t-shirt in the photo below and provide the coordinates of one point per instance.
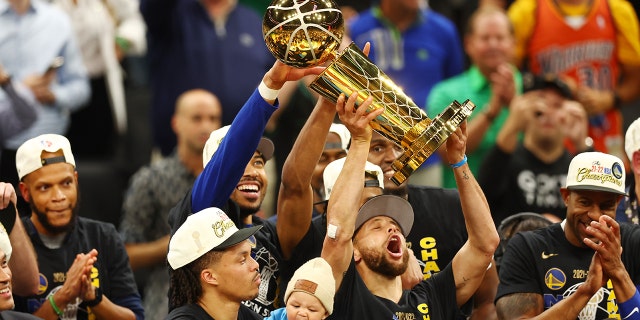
(434, 299)
(195, 312)
(111, 272)
(520, 182)
(544, 262)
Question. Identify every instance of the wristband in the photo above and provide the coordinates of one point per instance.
(95, 301)
(55, 308)
(629, 309)
(459, 164)
(266, 92)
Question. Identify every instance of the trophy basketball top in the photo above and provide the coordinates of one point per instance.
(303, 33)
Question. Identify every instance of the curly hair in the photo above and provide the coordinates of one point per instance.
(184, 284)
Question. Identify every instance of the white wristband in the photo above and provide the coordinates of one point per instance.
(266, 92)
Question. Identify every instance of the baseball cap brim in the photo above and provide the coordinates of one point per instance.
(596, 188)
(390, 206)
(266, 148)
(241, 235)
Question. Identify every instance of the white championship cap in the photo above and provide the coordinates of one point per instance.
(596, 171)
(332, 171)
(29, 155)
(343, 133)
(632, 139)
(265, 146)
(5, 244)
(202, 232)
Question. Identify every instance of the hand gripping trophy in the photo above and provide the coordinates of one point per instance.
(305, 33)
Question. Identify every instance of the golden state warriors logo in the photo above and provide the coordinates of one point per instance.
(555, 279)
(43, 285)
(616, 170)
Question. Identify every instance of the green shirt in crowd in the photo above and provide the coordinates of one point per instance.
(471, 85)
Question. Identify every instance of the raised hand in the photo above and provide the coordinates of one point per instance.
(605, 240)
(7, 195)
(280, 73)
(575, 123)
(457, 144)
(357, 119)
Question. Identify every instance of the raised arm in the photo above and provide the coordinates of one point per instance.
(345, 196)
(295, 199)
(473, 259)
(215, 184)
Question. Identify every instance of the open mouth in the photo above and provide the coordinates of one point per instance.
(394, 246)
(6, 291)
(249, 190)
(389, 172)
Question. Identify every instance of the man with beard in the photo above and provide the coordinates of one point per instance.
(367, 248)
(440, 230)
(526, 176)
(247, 198)
(543, 268)
(235, 181)
(73, 280)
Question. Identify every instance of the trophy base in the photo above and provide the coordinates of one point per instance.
(430, 139)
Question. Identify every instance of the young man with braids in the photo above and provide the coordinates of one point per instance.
(213, 271)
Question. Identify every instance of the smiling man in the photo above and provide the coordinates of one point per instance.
(542, 268)
(6, 284)
(73, 278)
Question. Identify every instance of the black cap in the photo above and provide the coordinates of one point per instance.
(531, 82)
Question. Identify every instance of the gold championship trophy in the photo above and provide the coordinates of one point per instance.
(304, 33)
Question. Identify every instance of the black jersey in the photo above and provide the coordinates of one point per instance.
(195, 312)
(520, 182)
(434, 299)
(544, 262)
(111, 272)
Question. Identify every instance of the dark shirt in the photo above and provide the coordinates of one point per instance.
(520, 182)
(544, 262)
(434, 298)
(186, 52)
(111, 272)
(195, 312)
